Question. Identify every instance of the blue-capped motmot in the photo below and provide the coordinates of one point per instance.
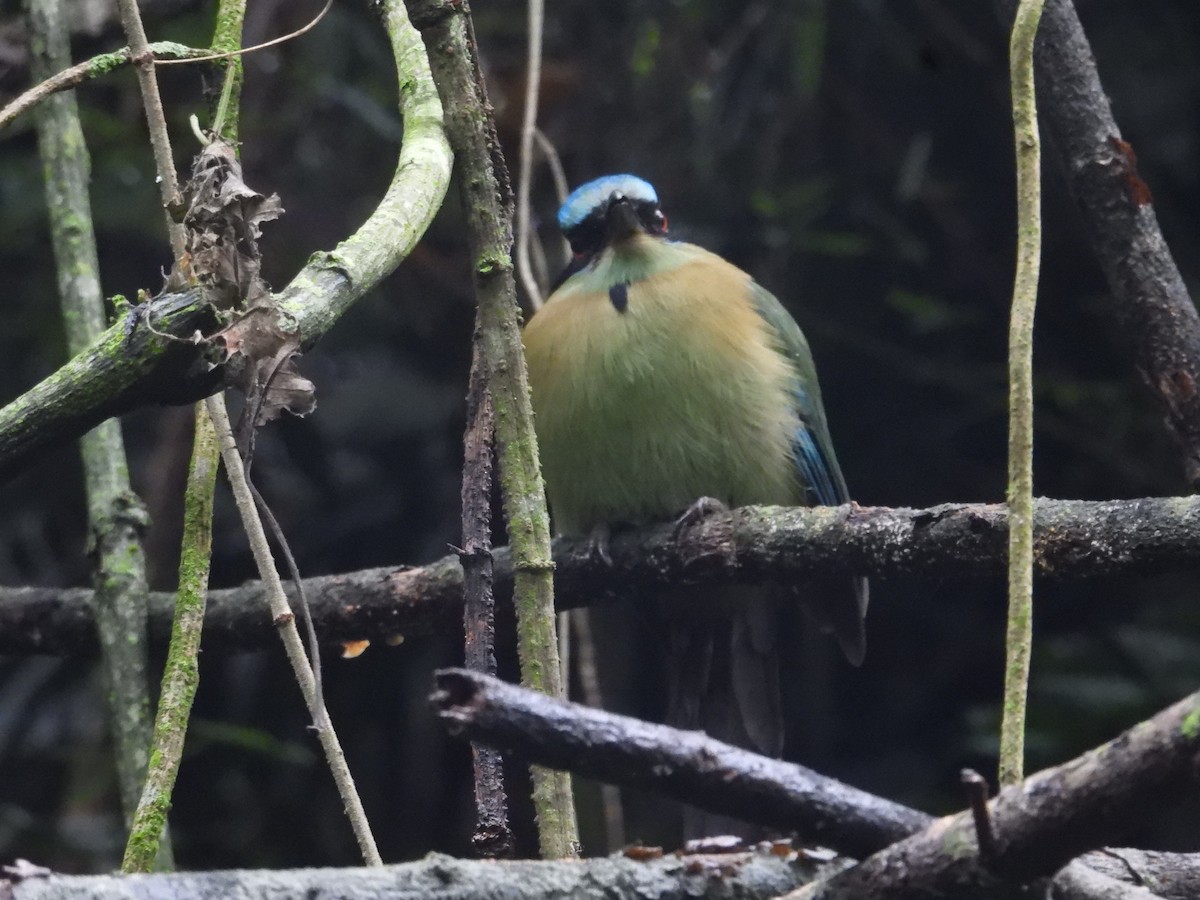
(662, 374)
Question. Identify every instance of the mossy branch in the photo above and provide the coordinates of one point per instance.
(1020, 404)
(181, 676)
(1074, 540)
(116, 515)
(487, 205)
(148, 357)
(72, 76)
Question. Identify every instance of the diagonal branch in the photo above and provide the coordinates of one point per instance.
(1046, 821)
(149, 357)
(687, 766)
(75, 75)
(1073, 539)
(1152, 307)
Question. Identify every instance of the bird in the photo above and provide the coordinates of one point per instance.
(665, 383)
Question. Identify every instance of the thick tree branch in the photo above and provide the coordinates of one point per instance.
(1152, 303)
(1072, 539)
(685, 765)
(753, 876)
(151, 358)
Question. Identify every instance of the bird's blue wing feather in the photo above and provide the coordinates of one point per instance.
(813, 447)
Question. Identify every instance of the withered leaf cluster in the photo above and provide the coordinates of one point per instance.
(223, 219)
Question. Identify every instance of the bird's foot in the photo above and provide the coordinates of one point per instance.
(698, 512)
(598, 541)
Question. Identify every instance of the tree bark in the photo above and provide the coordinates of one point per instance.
(1072, 539)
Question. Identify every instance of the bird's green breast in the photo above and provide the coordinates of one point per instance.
(678, 392)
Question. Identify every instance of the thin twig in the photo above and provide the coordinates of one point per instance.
(181, 675)
(160, 140)
(75, 75)
(559, 174)
(285, 622)
(977, 800)
(1020, 405)
(234, 54)
(116, 515)
(1154, 313)
(533, 77)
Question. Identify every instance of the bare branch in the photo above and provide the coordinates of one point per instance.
(685, 765)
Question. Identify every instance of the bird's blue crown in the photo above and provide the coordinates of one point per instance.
(587, 197)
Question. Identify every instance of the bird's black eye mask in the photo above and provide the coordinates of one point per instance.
(589, 236)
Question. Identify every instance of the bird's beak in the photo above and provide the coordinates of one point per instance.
(621, 219)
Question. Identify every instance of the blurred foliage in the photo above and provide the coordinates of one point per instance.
(855, 157)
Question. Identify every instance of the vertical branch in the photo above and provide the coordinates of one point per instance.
(487, 203)
(115, 513)
(160, 142)
(533, 77)
(1020, 404)
(182, 673)
(227, 38)
(492, 834)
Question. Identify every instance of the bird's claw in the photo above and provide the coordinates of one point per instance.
(598, 542)
(696, 513)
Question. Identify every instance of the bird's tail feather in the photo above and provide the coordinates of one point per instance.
(723, 675)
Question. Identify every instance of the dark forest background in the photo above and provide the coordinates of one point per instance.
(854, 155)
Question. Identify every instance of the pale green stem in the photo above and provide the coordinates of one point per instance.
(181, 676)
(116, 515)
(1020, 404)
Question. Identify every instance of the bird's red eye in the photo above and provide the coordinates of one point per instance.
(662, 223)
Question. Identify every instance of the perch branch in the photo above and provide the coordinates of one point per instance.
(1072, 539)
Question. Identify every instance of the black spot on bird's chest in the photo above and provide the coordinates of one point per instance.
(619, 295)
